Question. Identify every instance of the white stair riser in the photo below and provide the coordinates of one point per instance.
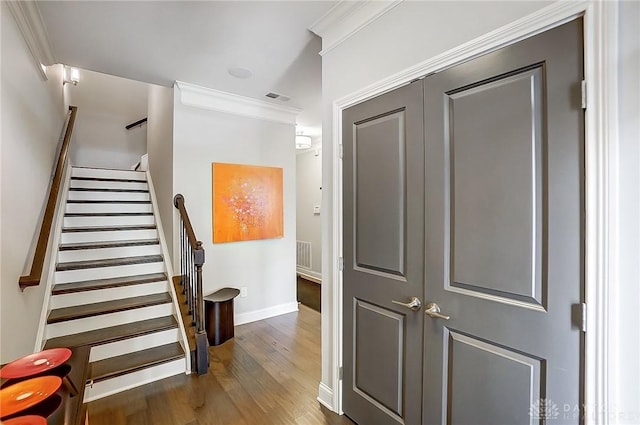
(106, 253)
(108, 174)
(118, 348)
(69, 276)
(108, 184)
(107, 196)
(108, 208)
(106, 221)
(108, 294)
(108, 235)
(121, 383)
(86, 324)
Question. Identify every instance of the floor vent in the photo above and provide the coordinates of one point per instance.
(303, 254)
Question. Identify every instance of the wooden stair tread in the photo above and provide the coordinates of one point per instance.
(113, 306)
(106, 189)
(91, 285)
(109, 179)
(109, 214)
(131, 362)
(107, 228)
(105, 201)
(107, 244)
(113, 333)
(108, 262)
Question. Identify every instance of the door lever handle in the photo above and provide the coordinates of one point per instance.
(433, 310)
(414, 303)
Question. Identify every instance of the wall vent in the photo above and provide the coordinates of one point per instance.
(280, 97)
(303, 254)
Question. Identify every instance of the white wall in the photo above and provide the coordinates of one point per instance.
(628, 314)
(160, 150)
(106, 104)
(32, 120)
(266, 267)
(410, 33)
(308, 195)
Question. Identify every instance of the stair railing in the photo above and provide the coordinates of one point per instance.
(191, 261)
(35, 275)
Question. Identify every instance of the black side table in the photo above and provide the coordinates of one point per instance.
(219, 315)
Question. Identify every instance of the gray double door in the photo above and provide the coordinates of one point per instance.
(463, 242)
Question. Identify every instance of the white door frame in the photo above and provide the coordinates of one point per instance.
(601, 185)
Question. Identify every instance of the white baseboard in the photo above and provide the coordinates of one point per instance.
(309, 275)
(265, 313)
(325, 396)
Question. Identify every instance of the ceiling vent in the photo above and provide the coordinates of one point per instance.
(280, 97)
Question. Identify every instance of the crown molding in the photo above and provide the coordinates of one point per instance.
(347, 18)
(216, 100)
(29, 21)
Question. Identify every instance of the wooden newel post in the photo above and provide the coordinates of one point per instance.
(202, 344)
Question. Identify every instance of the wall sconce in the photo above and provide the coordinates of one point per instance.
(71, 76)
(303, 142)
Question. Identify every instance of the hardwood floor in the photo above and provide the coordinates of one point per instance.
(267, 375)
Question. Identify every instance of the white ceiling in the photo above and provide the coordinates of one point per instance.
(196, 42)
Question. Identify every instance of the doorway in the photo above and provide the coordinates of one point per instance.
(465, 192)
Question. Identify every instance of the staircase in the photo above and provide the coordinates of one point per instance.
(111, 290)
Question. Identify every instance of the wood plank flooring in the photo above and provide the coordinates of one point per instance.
(267, 375)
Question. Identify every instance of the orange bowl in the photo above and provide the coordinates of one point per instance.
(25, 394)
(26, 420)
(35, 363)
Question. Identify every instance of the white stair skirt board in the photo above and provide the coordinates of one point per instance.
(265, 313)
(109, 208)
(109, 184)
(107, 221)
(107, 235)
(86, 324)
(107, 173)
(121, 383)
(69, 276)
(90, 195)
(108, 294)
(107, 253)
(130, 345)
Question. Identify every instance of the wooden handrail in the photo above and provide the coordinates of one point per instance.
(178, 202)
(135, 124)
(35, 275)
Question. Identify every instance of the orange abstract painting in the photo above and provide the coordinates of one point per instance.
(247, 202)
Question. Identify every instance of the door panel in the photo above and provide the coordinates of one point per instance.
(494, 192)
(375, 142)
(480, 373)
(379, 331)
(504, 250)
(383, 198)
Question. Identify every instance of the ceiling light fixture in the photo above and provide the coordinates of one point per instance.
(302, 141)
(238, 72)
(71, 76)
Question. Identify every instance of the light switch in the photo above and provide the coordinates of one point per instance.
(316, 210)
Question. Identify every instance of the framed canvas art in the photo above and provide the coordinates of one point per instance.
(247, 202)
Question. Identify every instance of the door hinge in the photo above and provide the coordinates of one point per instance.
(340, 263)
(340, 373)
(583, 90)
(340, 150)
(579, 315)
